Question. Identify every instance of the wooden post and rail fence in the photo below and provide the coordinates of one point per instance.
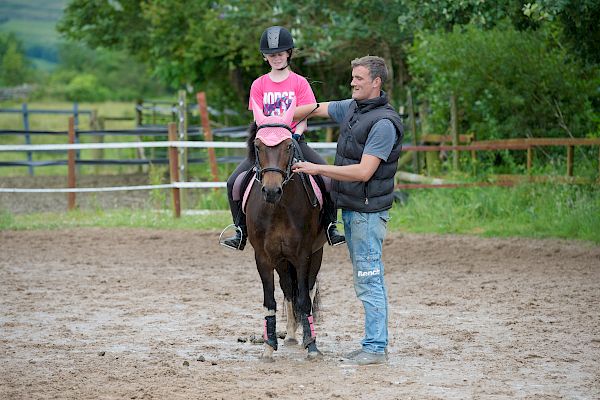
(510, 144)
(426, 143)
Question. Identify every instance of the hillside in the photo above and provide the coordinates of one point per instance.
(33, 22)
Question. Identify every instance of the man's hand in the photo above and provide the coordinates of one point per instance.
(306, 167)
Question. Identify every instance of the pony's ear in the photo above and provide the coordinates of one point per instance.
(258, 112)
(288, 116)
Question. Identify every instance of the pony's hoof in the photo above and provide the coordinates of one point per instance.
(267, 355)
(290, 342)
(267, 359)
(314, 355)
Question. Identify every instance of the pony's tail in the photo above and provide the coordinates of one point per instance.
(293, 288)
(316, 302)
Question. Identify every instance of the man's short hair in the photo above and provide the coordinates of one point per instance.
(375, 65)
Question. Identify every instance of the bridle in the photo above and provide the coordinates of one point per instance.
(295, 156)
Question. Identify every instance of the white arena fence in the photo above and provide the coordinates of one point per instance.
(128, 145)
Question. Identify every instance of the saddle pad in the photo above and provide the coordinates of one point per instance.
(315, 187)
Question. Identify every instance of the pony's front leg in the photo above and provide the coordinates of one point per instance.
(309, 337)
(270, 333)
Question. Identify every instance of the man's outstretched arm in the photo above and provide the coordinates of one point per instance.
(312, 110)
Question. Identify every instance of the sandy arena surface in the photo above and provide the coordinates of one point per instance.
(146, 314)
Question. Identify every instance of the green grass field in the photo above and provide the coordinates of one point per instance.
(34, 23)
(60, 122)
(31, 10)
(532, 210)
(49, 122)
(41, 33)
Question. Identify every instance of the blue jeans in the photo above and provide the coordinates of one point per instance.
(364, 234)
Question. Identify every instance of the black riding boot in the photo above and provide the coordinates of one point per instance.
(334, 237)
(237, 241)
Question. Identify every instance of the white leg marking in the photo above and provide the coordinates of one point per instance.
(267, 355)
(269, 313)
(292, 325)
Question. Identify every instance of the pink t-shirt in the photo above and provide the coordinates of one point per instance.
(276, 97)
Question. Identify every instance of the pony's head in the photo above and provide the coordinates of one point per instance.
(273, 149)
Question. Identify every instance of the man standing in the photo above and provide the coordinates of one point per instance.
(363, 183)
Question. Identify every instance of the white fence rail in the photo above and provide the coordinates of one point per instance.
(129, 145)
(134, 145)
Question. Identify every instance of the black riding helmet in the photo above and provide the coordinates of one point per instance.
(276, 39)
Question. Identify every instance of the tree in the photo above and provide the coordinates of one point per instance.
(211, 44)
(509, 83)
(14, 68)
(577, 21)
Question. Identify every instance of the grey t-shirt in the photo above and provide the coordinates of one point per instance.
(378, 142)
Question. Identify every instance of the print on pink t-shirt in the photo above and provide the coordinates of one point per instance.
(275, 103)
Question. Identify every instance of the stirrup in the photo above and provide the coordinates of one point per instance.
(329, 238)
(222, 241)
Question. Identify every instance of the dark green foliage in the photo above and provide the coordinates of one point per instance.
(576, 24)
(518, 69)
(509, 84)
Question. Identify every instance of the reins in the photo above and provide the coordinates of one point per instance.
(308, 115)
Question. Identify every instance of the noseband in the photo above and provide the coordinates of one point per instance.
(287, 174)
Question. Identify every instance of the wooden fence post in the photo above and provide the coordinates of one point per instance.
(473, 152)
(71, 166)
(408, 156)
(454, 130)
(97, 124)
(25, 114)
(203, 108)
(413, 129)
(432, 158)
(139, 114)
(569, 160)
(77, 140)
(184, 174)
(329, 135)
(174, 170)
(529, 159)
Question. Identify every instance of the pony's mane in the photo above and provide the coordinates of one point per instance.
(250, 142)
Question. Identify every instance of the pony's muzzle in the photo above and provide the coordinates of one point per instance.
(272, 194)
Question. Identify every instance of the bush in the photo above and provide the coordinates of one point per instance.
(508, 83)
(85, 87)
(99, 75)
